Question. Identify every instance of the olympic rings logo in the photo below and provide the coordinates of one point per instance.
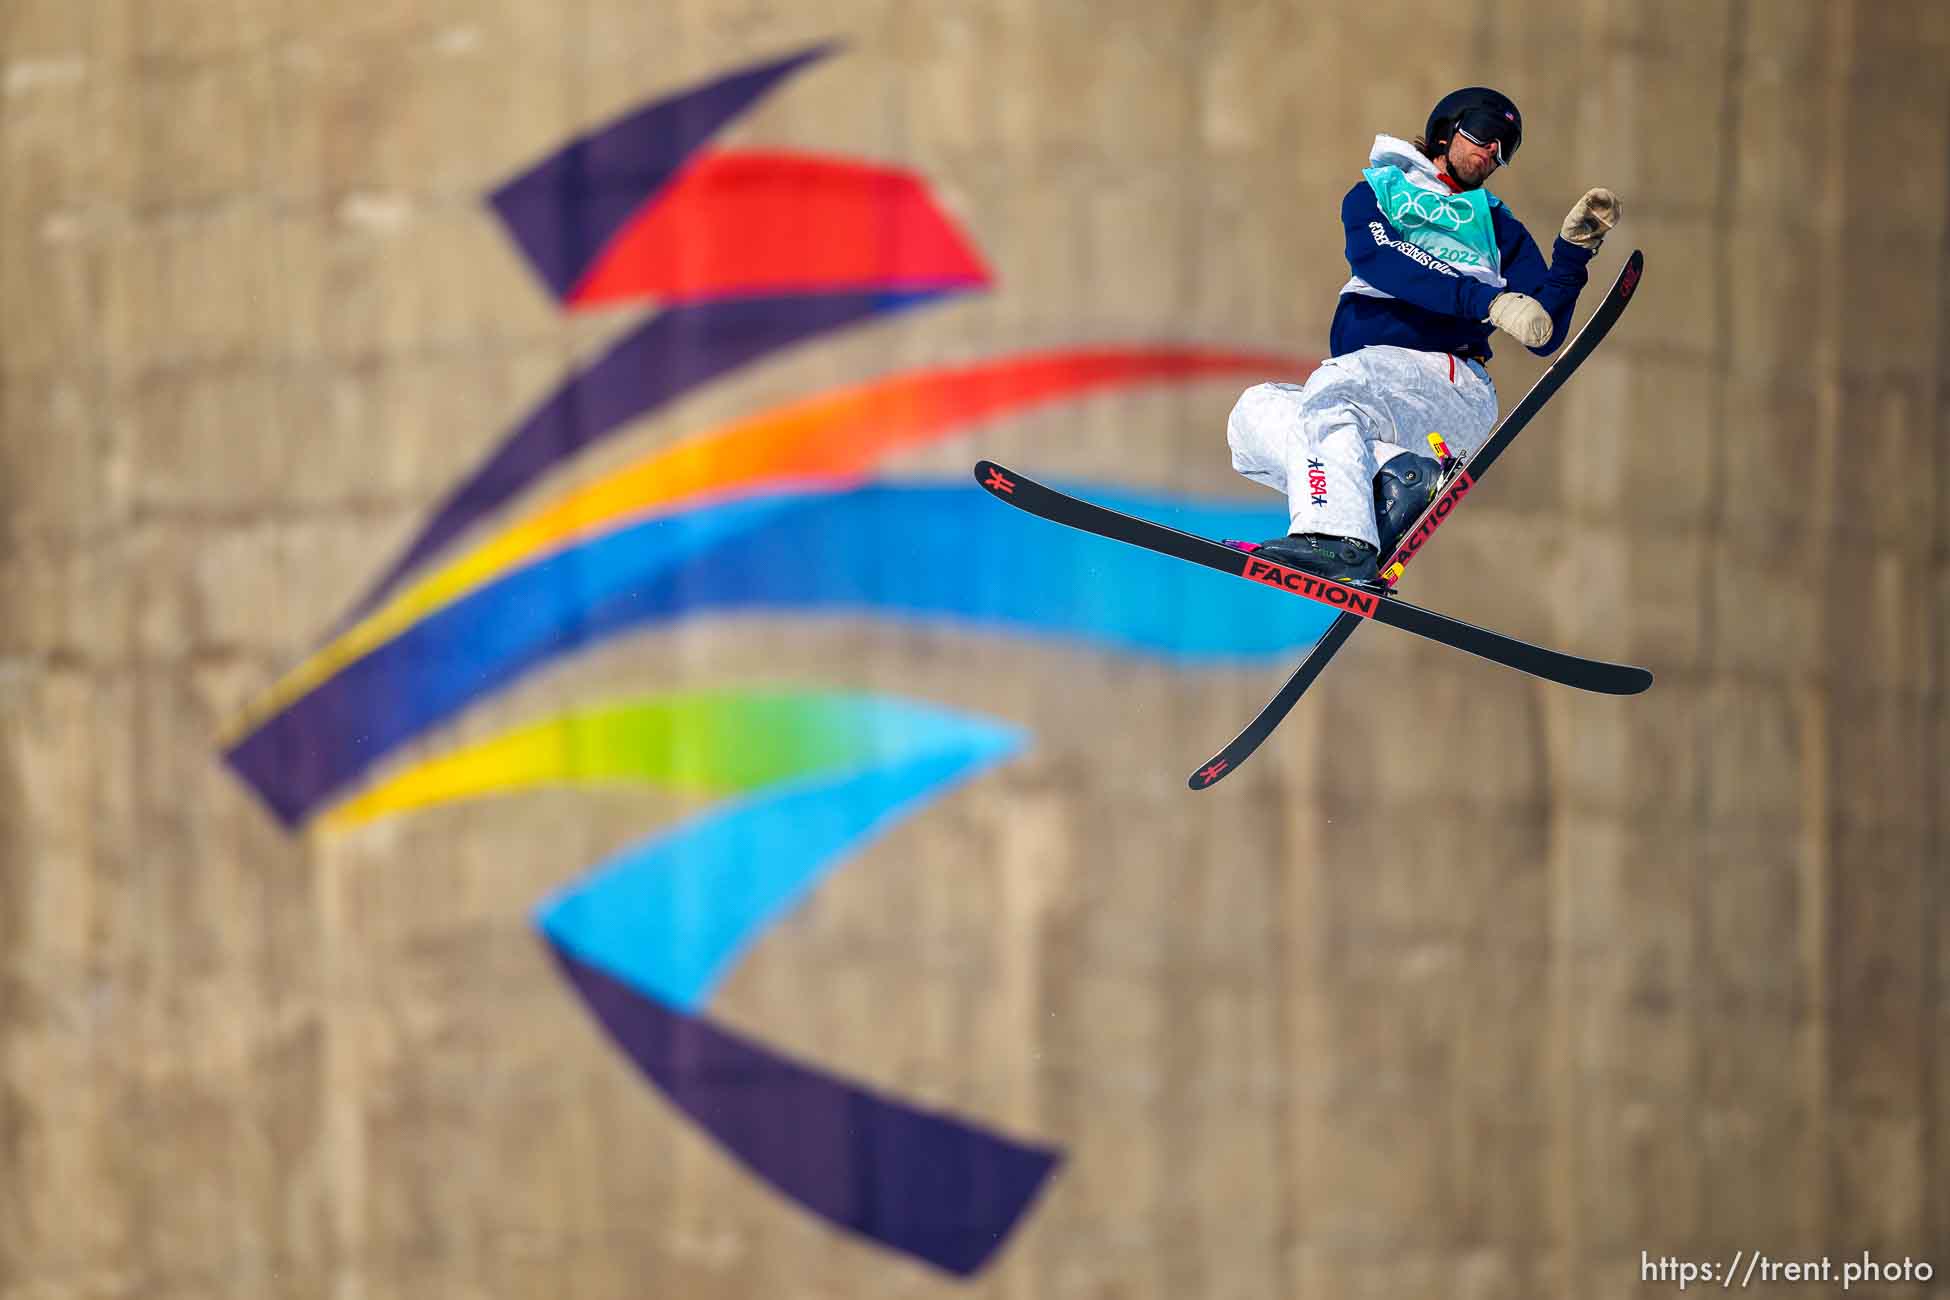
(1433, 209)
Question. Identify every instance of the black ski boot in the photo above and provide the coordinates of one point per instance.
(1402, 490)
(1344, 559)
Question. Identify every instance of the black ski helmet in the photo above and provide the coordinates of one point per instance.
(1484, 115)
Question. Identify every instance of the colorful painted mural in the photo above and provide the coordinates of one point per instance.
(738, 255)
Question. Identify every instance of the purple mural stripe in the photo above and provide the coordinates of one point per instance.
(564, 211)
(926, 1184)
(666, 357)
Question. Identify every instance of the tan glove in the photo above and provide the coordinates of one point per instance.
(1591, 218)
(1522, 318)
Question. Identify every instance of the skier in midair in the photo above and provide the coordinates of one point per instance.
(1439, 263)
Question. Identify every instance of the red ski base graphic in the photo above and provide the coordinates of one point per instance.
(1432, 517)
(1324, 590)
(998, 482)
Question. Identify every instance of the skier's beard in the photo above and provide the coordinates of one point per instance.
(1455, 173)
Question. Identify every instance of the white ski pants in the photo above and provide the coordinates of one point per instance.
(1321, 442)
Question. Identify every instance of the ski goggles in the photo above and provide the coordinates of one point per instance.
(1488, 129)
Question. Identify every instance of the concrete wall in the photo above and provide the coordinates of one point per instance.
(1468, 986)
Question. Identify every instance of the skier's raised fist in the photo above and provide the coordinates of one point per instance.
(1591, 218)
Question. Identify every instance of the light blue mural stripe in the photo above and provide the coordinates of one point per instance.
(670, 917)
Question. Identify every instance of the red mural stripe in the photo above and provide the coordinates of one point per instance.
(771, 223)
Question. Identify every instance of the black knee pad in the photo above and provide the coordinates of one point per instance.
(1403, 489)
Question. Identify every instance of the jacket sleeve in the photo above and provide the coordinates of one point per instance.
(1378, 254)
(1555, 287)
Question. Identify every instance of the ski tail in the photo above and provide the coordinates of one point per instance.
(1241, 747)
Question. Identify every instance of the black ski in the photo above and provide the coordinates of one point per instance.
(1355, 602)
(1459, 481)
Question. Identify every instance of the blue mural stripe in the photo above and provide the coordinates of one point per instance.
(670, 917)
(666, 357)
(563, 211)
(924, 1183)
(934, 553)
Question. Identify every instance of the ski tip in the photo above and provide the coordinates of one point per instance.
(1209, 775)
(1626, 681)
(995, 480)
(1628, 277)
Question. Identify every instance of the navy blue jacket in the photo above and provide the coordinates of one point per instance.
(1437, 308)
